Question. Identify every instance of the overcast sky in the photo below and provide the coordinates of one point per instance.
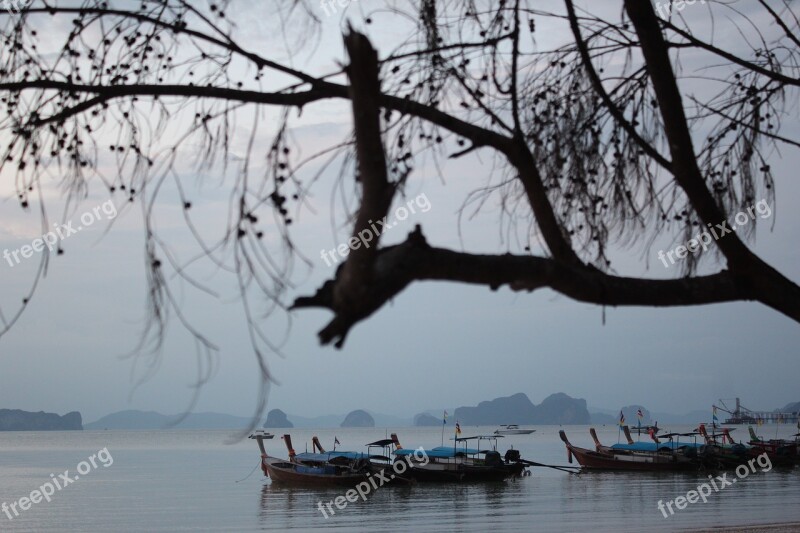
(437, 345)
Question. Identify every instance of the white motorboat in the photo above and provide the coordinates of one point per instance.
(513, 429)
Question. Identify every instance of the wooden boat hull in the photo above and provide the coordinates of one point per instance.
(293, 474)
(778, 455)
(784, 448)
(463, 473)
(640, 462)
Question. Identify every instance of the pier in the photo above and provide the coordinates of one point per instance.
(743, 415)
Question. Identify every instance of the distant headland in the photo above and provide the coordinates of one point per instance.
(555, 409)
(18, 420)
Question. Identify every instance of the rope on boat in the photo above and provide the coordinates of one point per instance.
(251, 472)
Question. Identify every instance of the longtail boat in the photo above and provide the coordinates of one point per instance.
(658, 443)
(720, 450)
(783, 450)
(319, 468)
(608, 458)
(458, 462)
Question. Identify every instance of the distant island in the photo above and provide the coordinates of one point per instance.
(557, 408)
(424, 419)
(790, 408)
(277, 419)
(358, 419)
(17, 420)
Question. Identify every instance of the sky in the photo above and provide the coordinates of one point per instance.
(436, 345)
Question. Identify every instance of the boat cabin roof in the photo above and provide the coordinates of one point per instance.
(441, 452)
(329, 456)
(670, 435)
(381, 443)
(651, 446)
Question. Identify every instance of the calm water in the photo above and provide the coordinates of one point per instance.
(174, 480)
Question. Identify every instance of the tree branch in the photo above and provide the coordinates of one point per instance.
(355, 278)
(684, 160)
(597, 83)
(108, 92)
(777, 76)
(397, 266)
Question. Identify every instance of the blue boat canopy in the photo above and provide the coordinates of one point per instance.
(469, 451)
(440, 452)
(652, 446)
(328, 456)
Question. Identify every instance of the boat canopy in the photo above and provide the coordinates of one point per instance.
(329, 456)
(652, 446)
(440, 452)
(381, 443)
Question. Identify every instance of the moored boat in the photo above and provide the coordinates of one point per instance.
(318, 468)
(607, 458)
(660, 443)
(460, 463)
(784, 451)
(513, 429)
(720, 450)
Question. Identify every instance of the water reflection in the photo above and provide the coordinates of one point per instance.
(459, 506)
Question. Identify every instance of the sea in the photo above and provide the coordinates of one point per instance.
(190, 480)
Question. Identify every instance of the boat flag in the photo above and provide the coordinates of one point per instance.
(621, 418)
(639, 414)
(444, 418)
(458, 428)
(336, 441)
(714, 414)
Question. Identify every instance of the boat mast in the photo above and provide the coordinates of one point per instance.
(444, 422)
